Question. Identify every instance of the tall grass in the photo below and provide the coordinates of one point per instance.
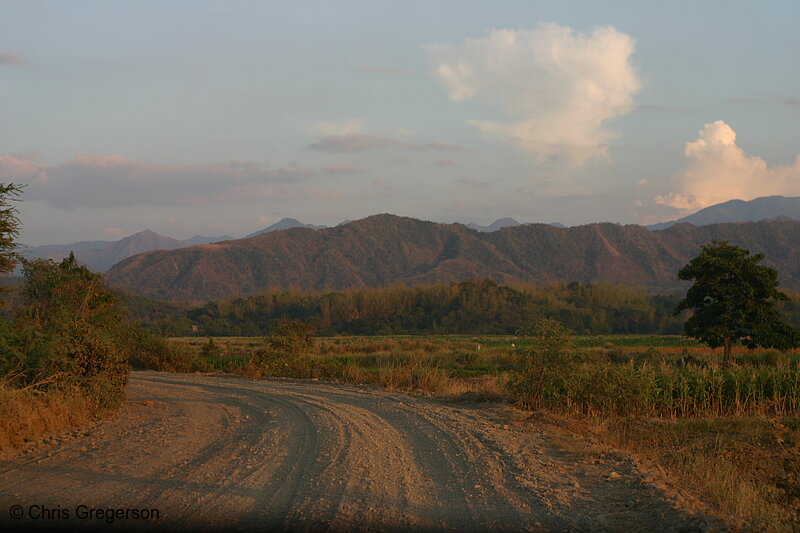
(659, 389)
(34, 410)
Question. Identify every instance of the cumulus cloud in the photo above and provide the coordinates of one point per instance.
(111, 180)
(717, 170)
(562, 84)
(7, 57)
(22, 168)
(344, 168)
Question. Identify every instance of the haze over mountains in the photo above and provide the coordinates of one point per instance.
(102, 255)
(741, 211)
(99, 256)
(386, 249)
(284, 223)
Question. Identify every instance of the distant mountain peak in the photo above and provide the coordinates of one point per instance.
(99, 256)
(500, 223)
(765, 207)
(283, 224)
(382, 250)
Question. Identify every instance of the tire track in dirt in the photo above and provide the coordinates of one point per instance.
(222, 452)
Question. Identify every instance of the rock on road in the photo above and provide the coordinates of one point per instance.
(213, 452)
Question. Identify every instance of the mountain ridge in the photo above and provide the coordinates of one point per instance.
(99, 256)
(765, 207)
(282, 224)
(384, 249)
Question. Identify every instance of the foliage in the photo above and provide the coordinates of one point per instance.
(385, 249)
(732, 299)
(66, 331)
(545, 365)
(55, 294)
(291, 337)
(146, 350)
(472, 307)
(9, 226)
(283, 351)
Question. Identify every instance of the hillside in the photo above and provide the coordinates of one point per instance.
(741, 211)
(385, 249)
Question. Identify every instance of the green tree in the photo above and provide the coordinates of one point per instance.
(733, 299)
(69, 326)
(9, 226)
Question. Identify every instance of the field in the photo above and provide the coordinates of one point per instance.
(730, 436)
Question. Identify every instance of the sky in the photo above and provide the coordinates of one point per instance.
(211, 118)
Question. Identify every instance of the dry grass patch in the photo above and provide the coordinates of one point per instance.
(28, 414)
(744, 468)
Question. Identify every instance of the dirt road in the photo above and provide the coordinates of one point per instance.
(208, 452)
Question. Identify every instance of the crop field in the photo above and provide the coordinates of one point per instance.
(729, 435)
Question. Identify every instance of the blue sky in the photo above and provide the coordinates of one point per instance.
(223, 117)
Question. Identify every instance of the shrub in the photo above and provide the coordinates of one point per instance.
(291, 337)
(543, 367)
(146, 350)
(67, 329)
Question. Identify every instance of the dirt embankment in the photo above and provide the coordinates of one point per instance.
(222, 452)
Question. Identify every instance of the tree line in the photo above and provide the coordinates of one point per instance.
(473, 307)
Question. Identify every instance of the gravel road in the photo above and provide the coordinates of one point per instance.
(212, 452)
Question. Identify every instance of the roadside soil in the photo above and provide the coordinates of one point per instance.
(214, 452)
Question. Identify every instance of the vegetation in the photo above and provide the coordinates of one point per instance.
(473, 307)
(65, 346)
(728, 435)
(724, 429)
(384, 249)
(478, 307)
(732, 299)
(9, 227)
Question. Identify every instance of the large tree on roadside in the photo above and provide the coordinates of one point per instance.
(733, 299)
(9, 226)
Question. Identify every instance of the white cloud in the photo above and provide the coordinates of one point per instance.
(22, 168)
(717, 170)
(558, 84)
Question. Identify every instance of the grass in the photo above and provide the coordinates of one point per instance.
(729, 437)
(745, 467)
(29, 413)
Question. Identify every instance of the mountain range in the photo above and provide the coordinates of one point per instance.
(282, 224)
(102, 255)
(386, 249)
(741, 211)
(99, 256)
(498, 224)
